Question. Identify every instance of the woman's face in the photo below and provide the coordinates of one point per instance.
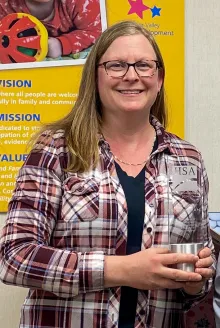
(130, 93)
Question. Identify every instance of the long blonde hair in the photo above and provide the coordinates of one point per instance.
(82, 125)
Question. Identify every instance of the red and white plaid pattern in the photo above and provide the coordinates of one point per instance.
(61, 225)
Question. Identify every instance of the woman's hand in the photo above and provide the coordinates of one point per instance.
(203, 268)
(149, 269)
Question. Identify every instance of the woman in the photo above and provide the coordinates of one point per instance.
(90, 203)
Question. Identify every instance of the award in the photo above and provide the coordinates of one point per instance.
(185, 208)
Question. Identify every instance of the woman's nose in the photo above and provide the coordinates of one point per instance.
(131, 74)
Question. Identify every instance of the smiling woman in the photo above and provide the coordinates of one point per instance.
(136, 80)
(87, 222)
(129, 83)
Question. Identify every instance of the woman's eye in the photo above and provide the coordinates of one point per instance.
(143, 65)
(116, 66)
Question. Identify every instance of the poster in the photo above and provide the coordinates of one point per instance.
(48, 33)
(45, 89)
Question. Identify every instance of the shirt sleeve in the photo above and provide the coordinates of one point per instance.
(5, 9)
(192, 300)
(26, 257)
(86, 20)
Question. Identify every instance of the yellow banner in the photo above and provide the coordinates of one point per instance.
(45, 88)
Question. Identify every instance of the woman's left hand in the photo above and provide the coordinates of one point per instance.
(202, 266)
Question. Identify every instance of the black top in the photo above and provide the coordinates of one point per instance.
(135, 197)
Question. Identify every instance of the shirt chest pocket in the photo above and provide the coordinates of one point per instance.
(80, 200)
(187, 216)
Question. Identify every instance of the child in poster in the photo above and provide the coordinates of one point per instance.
(72, 25)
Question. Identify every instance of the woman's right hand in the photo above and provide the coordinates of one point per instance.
(149, 269)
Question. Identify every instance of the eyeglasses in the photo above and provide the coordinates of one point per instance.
(118, 68)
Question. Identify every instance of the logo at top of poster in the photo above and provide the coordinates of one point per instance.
(59, 35)
(138, 7)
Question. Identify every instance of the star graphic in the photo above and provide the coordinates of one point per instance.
(155, 11)
(137, 7)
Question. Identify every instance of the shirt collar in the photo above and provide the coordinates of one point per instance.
(165, 140)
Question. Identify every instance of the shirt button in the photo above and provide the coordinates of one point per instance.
(149, 229)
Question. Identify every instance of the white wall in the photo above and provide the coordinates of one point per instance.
(202, 87)
(202, 108)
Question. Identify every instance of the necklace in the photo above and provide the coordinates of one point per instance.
(137, 164)
(132, 164)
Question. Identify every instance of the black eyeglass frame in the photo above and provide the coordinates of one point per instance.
(129, 65)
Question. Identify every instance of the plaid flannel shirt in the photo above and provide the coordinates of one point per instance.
(61, 225)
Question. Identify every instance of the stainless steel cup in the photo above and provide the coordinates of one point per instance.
(190, 248)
